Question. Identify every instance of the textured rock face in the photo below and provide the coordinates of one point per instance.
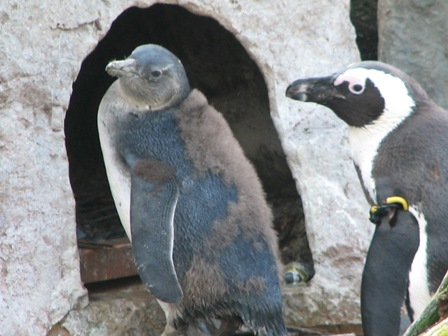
(412, 37)
(129, 310)
(39, 264)
(43, 45)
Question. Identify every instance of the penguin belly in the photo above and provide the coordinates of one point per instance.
(118, 174)
(418, 289)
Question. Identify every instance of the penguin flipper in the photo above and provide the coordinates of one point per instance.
(154, 195)
(386, 274)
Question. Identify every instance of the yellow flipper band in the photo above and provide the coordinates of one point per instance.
(379, 211)
(399, 200)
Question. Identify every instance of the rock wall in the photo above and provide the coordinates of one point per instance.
(39, 266)
(43, 44)
(413, 37)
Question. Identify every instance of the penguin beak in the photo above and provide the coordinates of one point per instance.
(316, 90)
(124, 68)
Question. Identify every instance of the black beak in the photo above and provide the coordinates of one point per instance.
(317, 90)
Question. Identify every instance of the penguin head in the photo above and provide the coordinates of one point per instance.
(151, 77)
(363, 94)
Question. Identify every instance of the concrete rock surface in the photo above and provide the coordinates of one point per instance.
(128, 310)
(42, 46)
(413, 37)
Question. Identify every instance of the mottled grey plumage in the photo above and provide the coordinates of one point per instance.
(189, 200)
(399, 142)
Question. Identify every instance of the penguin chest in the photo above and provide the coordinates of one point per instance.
(144, 135)
(364, 147)
(117, 172)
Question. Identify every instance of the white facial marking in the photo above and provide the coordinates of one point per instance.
(419, 294)
(366, 140)
(356, 84)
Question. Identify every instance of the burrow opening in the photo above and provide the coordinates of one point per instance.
(363, 15)
(219, 66)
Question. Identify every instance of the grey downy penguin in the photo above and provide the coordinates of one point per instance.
(189, 200)
(398, 137)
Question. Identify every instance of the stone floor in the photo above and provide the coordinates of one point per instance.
(117, 308)
(124, 308)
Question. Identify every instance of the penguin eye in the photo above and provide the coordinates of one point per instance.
(356, 88)
(156, 73)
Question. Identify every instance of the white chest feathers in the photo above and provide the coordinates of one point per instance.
(117, 174)
(119, 180)
(419, 294)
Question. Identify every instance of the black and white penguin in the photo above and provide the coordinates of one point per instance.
(189, 200)
(398, 137)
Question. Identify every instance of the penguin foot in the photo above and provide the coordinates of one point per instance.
(297, 274)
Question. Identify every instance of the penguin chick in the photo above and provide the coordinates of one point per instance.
(189, 200)
(399, 147)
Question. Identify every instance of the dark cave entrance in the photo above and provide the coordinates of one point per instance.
(216, 64)
(363, 15)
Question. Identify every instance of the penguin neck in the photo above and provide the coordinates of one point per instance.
(142, 101)
(364, 147)
(365, 143)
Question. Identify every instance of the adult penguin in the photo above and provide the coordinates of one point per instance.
(399, 143)
(189, 200)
